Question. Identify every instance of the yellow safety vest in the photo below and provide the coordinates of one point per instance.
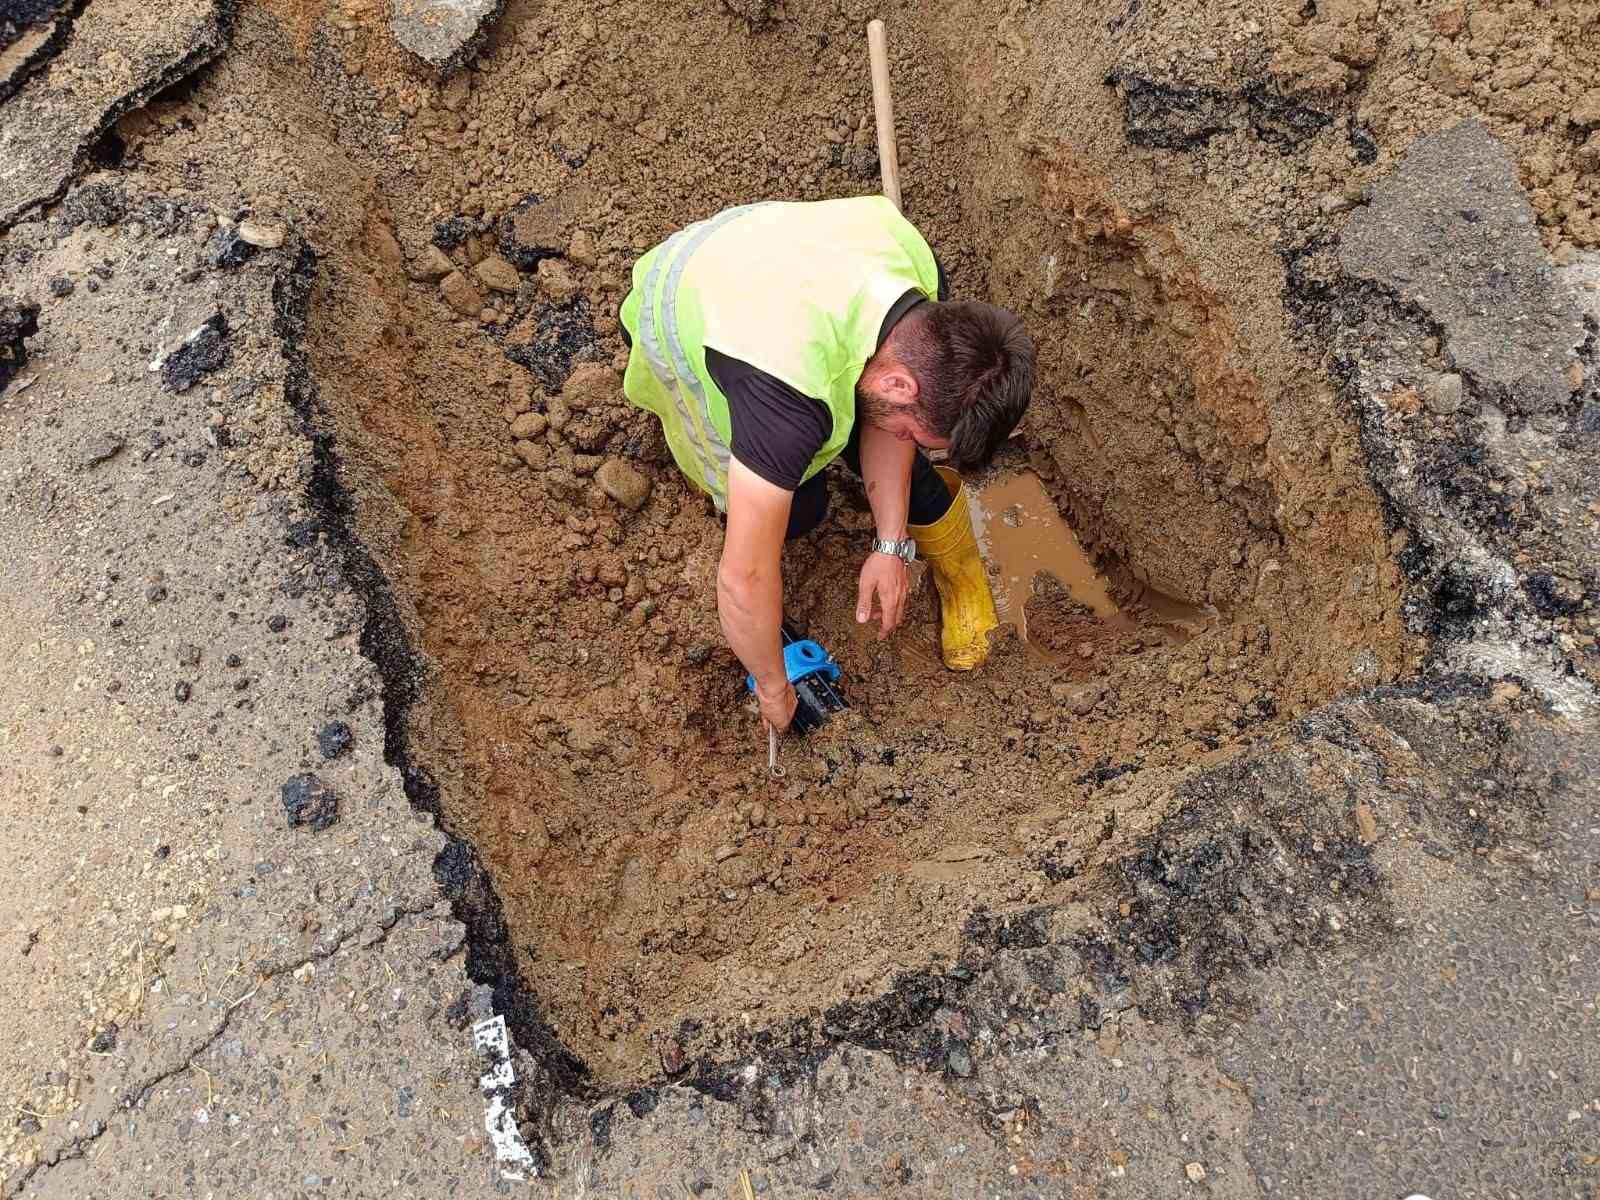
(798, 290)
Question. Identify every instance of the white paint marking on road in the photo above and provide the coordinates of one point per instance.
(499, 1121)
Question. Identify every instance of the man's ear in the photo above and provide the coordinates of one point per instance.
(900, 385)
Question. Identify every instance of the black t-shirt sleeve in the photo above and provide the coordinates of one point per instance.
(777, 430)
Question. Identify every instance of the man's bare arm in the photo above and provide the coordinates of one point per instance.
(886, 470)
(750, 586)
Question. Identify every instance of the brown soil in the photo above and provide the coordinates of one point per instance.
(586, 726)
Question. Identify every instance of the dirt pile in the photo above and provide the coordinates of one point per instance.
(586, 728)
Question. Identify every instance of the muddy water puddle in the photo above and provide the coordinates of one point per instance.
(1023, 536)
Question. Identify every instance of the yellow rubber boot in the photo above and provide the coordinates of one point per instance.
(951, 552)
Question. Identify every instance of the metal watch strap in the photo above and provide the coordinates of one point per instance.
(905, 549)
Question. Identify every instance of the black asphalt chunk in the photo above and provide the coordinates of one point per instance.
(17, 322)
(307, 800)
(334, 739)
(203, 351)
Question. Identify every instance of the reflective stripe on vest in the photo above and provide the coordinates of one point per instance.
(797, 290)
(674, 373)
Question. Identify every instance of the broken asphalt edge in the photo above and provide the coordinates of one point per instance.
(60, 31)
(206, 49)
(386, 642)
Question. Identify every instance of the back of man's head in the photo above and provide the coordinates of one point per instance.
(973, 364)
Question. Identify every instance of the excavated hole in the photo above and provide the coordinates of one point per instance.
(587, 729)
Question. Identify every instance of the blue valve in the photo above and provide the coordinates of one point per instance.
(802, 660)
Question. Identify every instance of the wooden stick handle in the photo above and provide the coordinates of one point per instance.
(883, 110)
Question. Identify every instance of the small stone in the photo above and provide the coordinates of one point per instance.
(455, 92)
(673, 1059)
(260, 233)
(1080, 700)
(623, 484)
(61, 287)
(532, 453)
(334, 739)
(307, 800)
(105, 1040)
(1366, 823)
(724, 852)
(1586, 112)
(460, 295)
(590, 386)
(1574, 375)
(581, 249)
(182, 690)
(556, 280)
(1332, 203)
(498, 274)
(99, 449)
(540, 227)
(432, 265)
(1444, 394)
(233, 660)
(188, 654)
(386, 247)
(277, 623)
(959, 1062)
(528, 425)
(155, 593)
(1194, 1171)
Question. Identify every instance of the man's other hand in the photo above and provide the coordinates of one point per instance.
(887, 578)
(778, 705)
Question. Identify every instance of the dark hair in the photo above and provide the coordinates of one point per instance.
(973, 364)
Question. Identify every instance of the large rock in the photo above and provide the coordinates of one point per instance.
(1452, 233)
(121, 53)
(443, 33)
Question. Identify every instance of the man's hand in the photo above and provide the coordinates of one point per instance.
(887, 578)
(777, 705)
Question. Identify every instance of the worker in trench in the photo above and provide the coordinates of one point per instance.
(772, 339)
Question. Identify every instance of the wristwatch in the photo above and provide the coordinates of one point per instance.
(905, 549)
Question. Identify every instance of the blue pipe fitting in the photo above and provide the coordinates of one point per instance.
(802, 660)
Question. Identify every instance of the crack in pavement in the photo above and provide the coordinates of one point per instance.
(136, 1094)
